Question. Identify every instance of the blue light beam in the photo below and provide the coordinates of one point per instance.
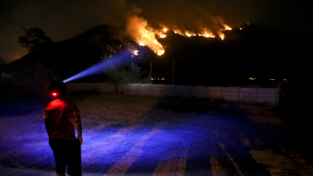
(102, 66)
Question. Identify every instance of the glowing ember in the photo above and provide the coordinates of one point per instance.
(160, 52)
(136, 52)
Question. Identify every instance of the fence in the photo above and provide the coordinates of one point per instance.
(249, 95)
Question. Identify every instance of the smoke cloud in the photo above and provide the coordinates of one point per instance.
(63, 19)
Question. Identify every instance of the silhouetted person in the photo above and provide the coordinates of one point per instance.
(61, 116)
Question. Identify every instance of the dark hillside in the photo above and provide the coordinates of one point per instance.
(252, 51)
(68, 57)
(255, 51)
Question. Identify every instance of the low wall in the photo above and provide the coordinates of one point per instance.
(249, 95)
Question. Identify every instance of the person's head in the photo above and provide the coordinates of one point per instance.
(57, 89)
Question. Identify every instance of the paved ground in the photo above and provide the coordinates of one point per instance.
(125, 135)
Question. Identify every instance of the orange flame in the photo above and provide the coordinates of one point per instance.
(138, 29)
(178, 31)
(190, 33)
(226, 27)
(204, 32)
(165, 29)
(135, 52)
(221, 35)
(207, 33)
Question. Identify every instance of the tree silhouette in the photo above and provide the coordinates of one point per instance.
(34, 39)
(2, 64)
(132, 73)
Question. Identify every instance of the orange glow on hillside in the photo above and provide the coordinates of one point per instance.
(139, 30)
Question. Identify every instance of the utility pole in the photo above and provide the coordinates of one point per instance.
(150, 70)
(173, 76)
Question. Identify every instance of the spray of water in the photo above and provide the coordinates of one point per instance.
(102, 66)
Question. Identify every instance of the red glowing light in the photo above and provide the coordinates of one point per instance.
(54, 94)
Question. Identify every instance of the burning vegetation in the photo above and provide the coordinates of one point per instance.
(138, 29)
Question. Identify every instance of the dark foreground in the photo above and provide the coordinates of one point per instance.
(126, 135)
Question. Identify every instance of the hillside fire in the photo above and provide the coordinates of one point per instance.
(144, 35)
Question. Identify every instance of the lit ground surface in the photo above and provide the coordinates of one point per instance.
(126, 135)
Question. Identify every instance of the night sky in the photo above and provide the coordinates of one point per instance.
(63, 19)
